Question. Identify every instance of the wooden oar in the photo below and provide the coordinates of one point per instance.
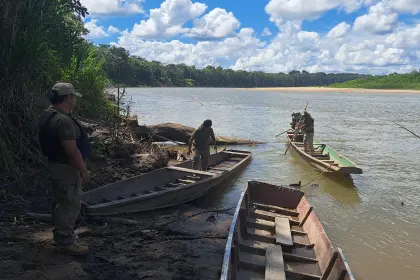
(296, 131)
(282, 133)
(407, 129)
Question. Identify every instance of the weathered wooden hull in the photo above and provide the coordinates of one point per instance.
(301, 251)
(328, 160)
(147, 192)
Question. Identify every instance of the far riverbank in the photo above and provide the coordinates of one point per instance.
(328, 89)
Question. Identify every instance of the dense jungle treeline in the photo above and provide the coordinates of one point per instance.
(391, 81)
(134, 71)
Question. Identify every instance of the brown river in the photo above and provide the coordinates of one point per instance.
(379, 236)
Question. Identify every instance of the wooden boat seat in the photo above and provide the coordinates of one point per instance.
(283, 231)
(219, 169)
(270, 216)
(277, 209)
(302, 254)
(292, 269)
(235, 153)
(192, 171)
(274, 267)
(270, 226)
(185, 181)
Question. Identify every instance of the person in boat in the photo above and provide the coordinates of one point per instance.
(308, 129)
(202, 138)
(295, 119)
(65, 143)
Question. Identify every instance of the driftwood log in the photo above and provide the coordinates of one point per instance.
(181, 133)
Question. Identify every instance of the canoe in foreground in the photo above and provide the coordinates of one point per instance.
(324, 158)
(275, 235)
(164, 187)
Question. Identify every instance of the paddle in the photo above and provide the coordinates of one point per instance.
(296, 131)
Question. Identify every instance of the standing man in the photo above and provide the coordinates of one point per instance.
(308, 128)
(65, 143)
(201, 138)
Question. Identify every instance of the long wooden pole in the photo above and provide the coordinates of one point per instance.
(297, 130)
(407, 129)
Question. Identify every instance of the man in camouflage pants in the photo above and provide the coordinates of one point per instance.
(201, 138)
(61, 140)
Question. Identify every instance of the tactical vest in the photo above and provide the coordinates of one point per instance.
(51, 146)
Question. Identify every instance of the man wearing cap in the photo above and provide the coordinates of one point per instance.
(63, 141)
(201, 138)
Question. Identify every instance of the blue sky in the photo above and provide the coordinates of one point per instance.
(365, 36)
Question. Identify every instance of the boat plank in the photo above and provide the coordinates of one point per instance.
(259, 247)
(186, 181)
(277, 209)
(177, 168)
(271, 216)
(274, 268)
(219, 169)
(235, 153)
(283, 232)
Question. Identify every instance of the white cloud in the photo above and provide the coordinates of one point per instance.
(200, 54)
(377, 43)
(113, 30)
(215, 25)
(406, 38)
(339, 30)
(281, 11)
(266, 32)
(379, 19)
(95, 31)
(113, 7)
(168, 19)
(405, 6)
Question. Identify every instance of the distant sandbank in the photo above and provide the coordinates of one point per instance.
(325, 89)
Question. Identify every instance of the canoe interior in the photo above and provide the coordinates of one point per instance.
(324, 157)
(162, 180)
(302, 247)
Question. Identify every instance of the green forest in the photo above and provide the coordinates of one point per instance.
(391, 81)
(43, 42)
(134, 71)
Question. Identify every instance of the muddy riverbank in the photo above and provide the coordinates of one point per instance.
(176, 243)
(184, 242)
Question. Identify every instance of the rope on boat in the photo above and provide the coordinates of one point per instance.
(317, 176)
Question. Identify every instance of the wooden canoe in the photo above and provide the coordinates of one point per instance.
(324, 158)
(164, 187)
(275, 235)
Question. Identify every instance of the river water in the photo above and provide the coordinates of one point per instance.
(379, 236)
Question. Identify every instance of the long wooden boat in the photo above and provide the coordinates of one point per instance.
(324, 158)
(276, 235)
(164, 187)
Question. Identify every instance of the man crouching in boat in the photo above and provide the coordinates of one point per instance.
(201, 138)
(308, 129)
